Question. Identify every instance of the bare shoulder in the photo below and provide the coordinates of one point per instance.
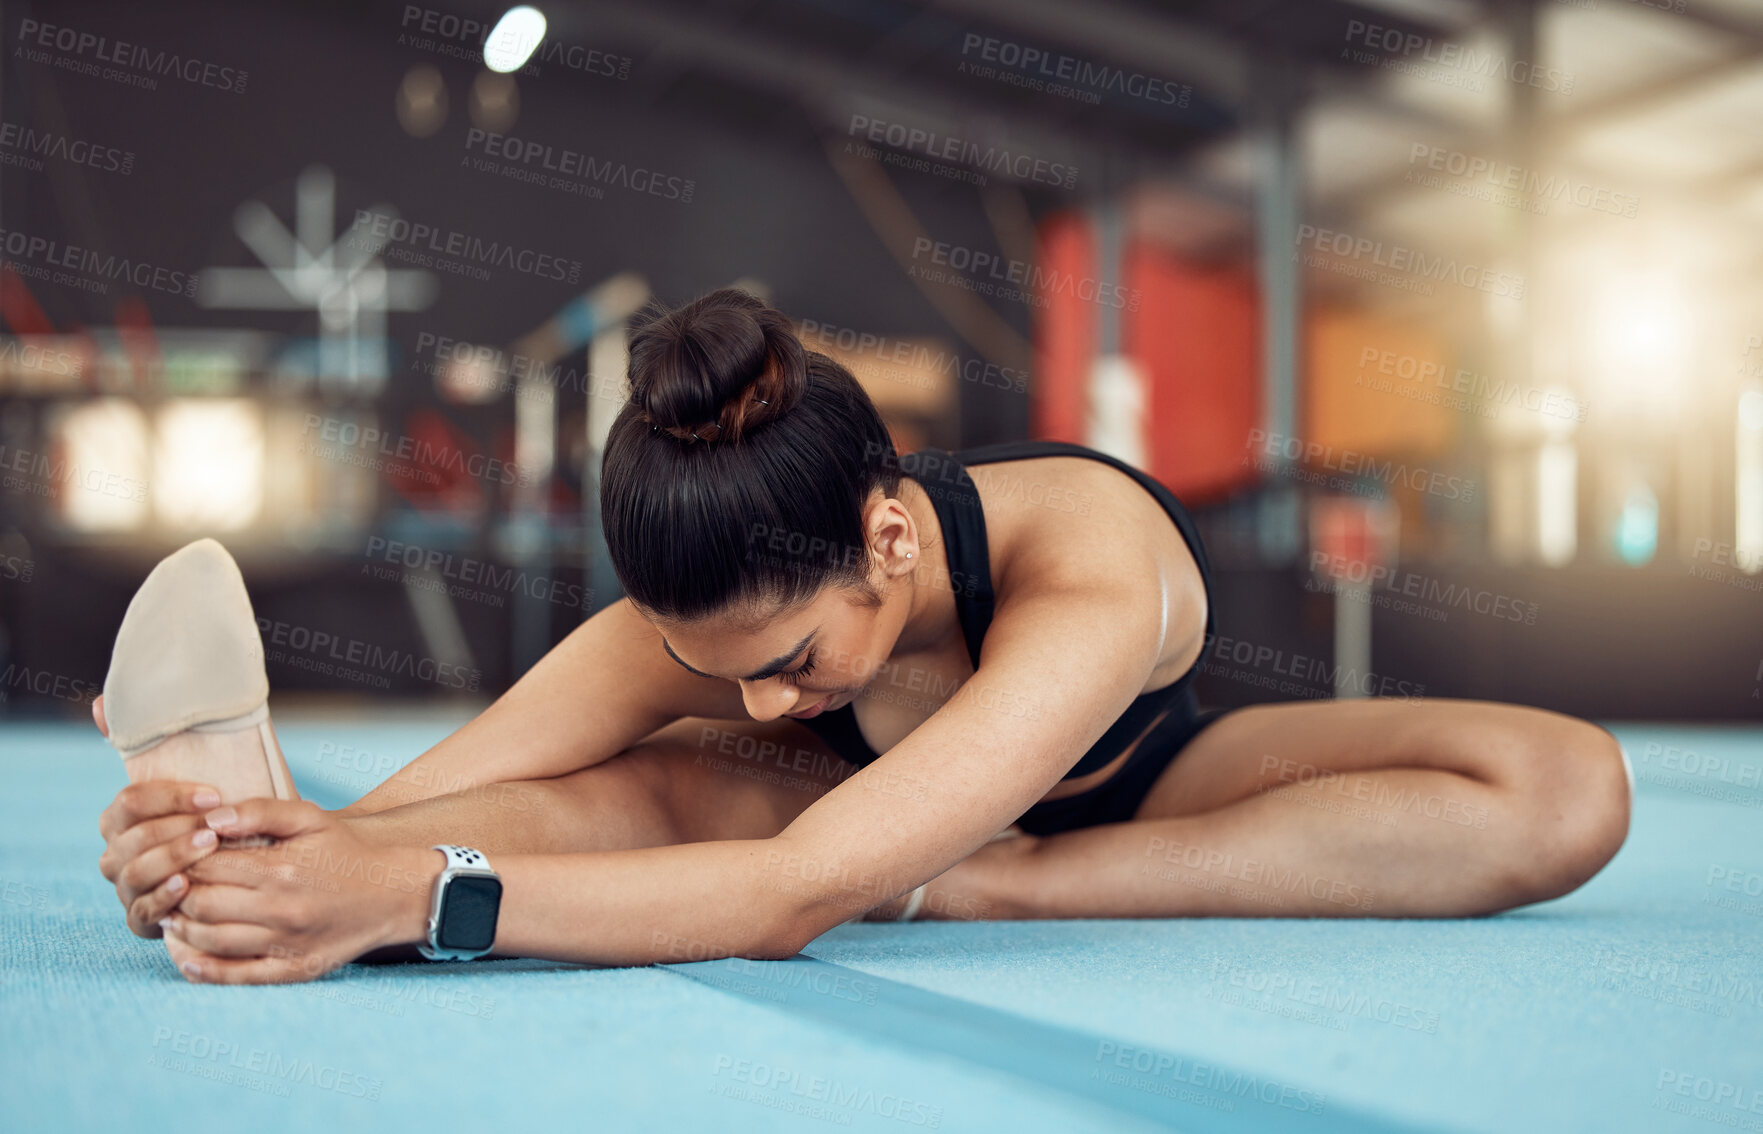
(1084, 528)
(1064, 520)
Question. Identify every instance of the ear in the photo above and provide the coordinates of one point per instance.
(893, 535)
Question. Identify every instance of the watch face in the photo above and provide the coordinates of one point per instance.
(468, 912)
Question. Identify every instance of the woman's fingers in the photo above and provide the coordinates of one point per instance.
(217, 903)
(205, 968)
(150, 799)
(279, 967)
(142, 837)
(152, 820)
(280, 818)
(226, 939)
(146, 910)
(98, 715)
(155, 866)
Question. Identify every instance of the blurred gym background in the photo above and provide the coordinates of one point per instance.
(1442, 315)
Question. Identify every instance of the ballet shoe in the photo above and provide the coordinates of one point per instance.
(186, 696)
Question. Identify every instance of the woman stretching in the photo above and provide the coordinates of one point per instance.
(842, 683)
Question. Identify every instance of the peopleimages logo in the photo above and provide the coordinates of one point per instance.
(781, 1088)
(500, 371)
(102, 49)
(1727, 1096)
(1266, 667)
(1267, 449)
(1460, 388)
(578, 166)
(447, 31)
(1049, 70)
(473, 251)
(94, 265)
(43, 143)
(1529, 183)
(1038, 282)
(21, 470)
(26, 355)
(1412, 262)
(44, 683)
(1263, 990)
(328, 647)
(474, 579)
(1402, 46)
(337, 436)
(203, 1054)
(945, 147)
(917, 363)
(1216, 1084)
(1335, 572)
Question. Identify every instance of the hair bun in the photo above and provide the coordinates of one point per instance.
(715, 368)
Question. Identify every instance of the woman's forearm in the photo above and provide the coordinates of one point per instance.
(511, 741)
(688, 902)
(605, 687)
(502, 744)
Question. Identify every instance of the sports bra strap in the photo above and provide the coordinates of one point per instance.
(956, 500)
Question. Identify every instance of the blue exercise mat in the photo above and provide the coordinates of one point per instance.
(1635, 1003)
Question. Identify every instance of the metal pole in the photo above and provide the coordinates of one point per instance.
(1278, 197)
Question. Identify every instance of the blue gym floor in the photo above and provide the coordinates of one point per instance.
(1635, 1003)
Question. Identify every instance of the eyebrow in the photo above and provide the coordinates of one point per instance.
(771, 669)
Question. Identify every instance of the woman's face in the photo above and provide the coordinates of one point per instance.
(818, 655)
(821, 653)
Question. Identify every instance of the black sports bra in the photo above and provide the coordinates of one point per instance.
(943, 476)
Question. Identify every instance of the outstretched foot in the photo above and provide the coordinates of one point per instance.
(187, 697)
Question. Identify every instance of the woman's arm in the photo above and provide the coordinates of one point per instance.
(1057, 669)
(1061, 660)
(599, 691)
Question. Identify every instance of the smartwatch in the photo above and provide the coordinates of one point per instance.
(462, 914)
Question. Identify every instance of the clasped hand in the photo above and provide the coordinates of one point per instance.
(315, 898)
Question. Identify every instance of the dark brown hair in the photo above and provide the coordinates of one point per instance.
(735, 476)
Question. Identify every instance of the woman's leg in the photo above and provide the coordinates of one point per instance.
(1374, 808)
(695, 780)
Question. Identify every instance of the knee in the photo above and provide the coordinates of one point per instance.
(1581, 811)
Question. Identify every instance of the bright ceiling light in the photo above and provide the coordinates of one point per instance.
(208, 464)
(422, 101)
(1647, 336)
(495, 102)
(1642, 345)
(100, 472)
(514, 39)
(1751, 410)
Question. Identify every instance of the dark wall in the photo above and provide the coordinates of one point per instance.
(320, 88)
(1602, 643)
(319, 82)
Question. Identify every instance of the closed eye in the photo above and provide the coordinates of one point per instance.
(794, 675)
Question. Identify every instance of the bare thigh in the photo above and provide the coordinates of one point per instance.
(1261, 747)
(1519, 805)
(704, 780)
(695, 780)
